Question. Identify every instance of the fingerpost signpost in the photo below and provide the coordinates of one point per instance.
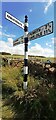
(37, 33)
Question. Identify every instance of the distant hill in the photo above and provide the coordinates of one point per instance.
(17, 55)
(37, 56)
(4, 53)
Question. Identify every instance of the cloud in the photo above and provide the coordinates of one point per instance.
(19, 49)
(7, 35)
(53, 40)
(4, 47)
(0, 33)
(48, 52)
(29, 43)
(49, 45)
(10, 42)
(46, 44)
(30, 10)
(1, 26)
(8, 47)
(48, 5)
(37, 49)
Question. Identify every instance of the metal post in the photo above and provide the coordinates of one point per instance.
(25, 53)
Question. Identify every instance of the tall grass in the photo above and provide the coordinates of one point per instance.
(37, 103)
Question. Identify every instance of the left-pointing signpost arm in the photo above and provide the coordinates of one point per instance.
(14, 20)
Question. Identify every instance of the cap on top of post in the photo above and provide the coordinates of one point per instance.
(26, 18)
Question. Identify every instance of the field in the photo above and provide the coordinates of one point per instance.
(38, 102)
(21, 56)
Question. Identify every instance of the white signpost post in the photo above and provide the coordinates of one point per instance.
(25, 27)
(37, 33)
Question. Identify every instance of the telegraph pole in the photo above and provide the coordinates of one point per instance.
(25, 52)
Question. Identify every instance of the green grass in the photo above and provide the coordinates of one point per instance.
(12, 88)
(35, 57)
(38, 102)
(11, 80)
(11, 56)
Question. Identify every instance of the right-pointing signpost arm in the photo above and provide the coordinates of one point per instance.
(25, 53)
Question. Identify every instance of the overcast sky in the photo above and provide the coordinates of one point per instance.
(39, 13)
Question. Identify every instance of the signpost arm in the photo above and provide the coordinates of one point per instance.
(25, 53)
